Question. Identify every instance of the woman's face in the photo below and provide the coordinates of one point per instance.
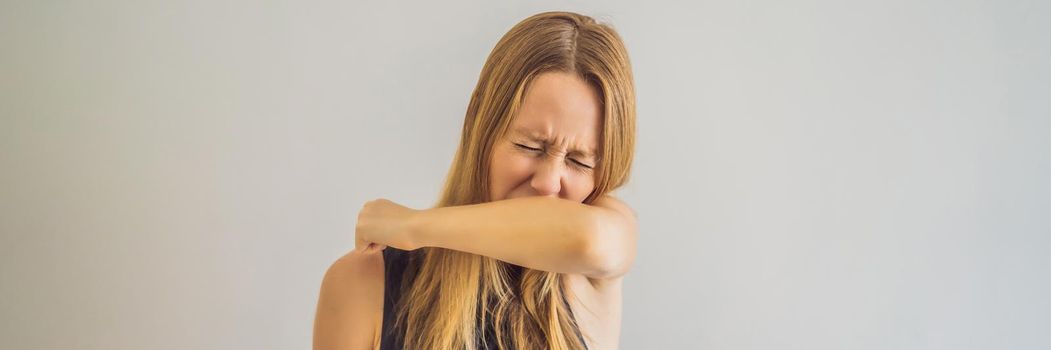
(550, 147)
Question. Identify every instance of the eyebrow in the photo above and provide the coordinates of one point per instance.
(536, 136)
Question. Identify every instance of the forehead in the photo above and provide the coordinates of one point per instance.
(561, 107)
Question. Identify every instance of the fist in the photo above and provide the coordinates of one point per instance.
(383, 223)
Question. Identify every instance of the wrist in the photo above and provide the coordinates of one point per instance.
(416, 230)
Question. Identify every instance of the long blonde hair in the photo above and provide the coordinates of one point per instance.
(453, 295)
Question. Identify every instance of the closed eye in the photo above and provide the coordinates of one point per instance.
(579, 164)
(527, 147)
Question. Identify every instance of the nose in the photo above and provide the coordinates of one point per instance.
(547, 180)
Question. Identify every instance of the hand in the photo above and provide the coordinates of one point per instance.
(383, 223)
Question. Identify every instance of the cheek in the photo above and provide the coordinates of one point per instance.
(581, 186)
(510, 167)
(507, 169)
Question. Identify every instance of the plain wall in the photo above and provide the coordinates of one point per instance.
(809, 174)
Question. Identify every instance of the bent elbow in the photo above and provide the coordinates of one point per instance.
(608, 249)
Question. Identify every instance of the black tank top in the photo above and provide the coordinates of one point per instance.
(399, 273)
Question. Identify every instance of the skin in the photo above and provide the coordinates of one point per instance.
(540, 169)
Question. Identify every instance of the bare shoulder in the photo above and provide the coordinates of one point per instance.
(358, 266)
(350, 305)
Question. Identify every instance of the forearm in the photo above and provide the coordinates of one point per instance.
(540, 233)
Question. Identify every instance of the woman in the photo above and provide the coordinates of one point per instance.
(526, 248)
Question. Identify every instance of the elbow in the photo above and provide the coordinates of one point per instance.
(608, 249)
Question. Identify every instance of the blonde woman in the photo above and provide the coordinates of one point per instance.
(526, 248)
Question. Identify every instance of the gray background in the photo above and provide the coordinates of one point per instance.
(810, 174)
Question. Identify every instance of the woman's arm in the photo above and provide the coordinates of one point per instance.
(543, 233)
